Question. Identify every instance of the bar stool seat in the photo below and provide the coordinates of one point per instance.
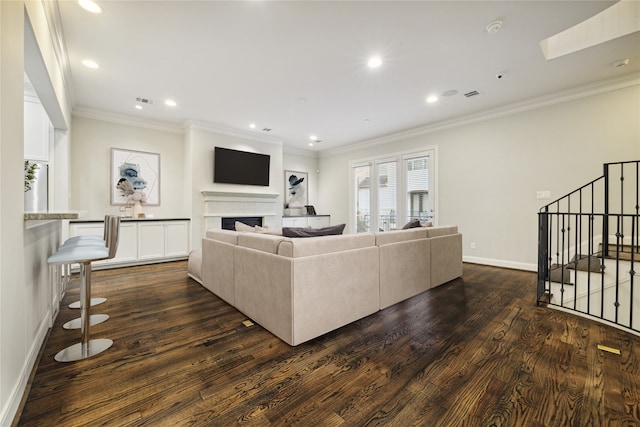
(85, 255)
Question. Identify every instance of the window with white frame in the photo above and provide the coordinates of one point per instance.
(389, 192)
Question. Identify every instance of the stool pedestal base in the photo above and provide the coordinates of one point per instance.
(81, 351)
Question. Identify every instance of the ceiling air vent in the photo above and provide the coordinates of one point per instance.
(144, 100)
(472, 93)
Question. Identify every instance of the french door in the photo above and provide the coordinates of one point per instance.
(389, 192)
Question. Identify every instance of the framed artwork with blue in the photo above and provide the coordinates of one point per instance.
(135, 176)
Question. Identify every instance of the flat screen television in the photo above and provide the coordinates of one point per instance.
(240, 167)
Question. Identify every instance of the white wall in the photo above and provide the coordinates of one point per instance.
(490, 170)
(25, 292)
(91, 143)
(199, 144)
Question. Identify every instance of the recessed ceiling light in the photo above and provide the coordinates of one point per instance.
(311, 144)
(313, 138)
(90, 6)
(138, 107)
(90, 64)
(621, 63)
(374, 62)
(252, 125)
(494, 27)
(170, 103)
(431, 99)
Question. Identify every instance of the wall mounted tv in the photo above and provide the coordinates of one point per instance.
(240, 167)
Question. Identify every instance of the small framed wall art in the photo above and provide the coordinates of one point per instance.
(135, 176)
(296, 185)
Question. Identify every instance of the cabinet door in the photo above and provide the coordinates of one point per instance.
(150, 240)
(87, 229)
(176, 238)
(37, 131)
(318, 222)
(127, 243)
(294, 222)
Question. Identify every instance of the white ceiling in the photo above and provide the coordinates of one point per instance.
(299, 67)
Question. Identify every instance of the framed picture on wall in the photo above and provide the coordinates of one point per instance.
(296, 185)
(135, 175)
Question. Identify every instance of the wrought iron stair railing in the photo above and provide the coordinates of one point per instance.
(589, 246)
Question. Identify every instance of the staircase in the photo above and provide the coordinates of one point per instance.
(589, 246)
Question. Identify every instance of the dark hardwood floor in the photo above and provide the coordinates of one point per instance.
(473, 352)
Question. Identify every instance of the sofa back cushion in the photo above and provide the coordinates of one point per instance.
(227, 236)
(260, 241)
(442, 230)
(388, 237)
(296, 248)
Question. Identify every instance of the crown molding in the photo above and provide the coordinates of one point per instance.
(123, 119)
(230, 131)
(52, 14)
(573, 94)
(287, 149)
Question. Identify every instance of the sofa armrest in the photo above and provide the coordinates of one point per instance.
(404, 270)
(264, 290)
(298, 299)
(217, 268)
(446, 258)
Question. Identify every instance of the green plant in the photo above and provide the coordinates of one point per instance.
(29, 174)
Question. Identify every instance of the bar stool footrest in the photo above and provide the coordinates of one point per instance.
(94, 319)
(94, 301)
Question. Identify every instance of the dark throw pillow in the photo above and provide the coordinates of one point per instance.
(414, 223)
(313, 232)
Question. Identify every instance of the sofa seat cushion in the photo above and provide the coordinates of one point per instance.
(297, 248)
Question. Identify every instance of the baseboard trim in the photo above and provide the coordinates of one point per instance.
(500, 263)
(18, 393)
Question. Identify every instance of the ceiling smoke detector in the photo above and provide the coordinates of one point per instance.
(494, 27)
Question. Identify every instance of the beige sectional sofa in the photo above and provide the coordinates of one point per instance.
(301, 288)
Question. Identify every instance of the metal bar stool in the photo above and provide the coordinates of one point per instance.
(82, 240)
(85, 255)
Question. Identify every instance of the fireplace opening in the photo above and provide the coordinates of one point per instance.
(229, 223)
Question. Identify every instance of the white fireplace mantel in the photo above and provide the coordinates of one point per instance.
(219, 204)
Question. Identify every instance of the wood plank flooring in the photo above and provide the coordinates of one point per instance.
(473, 352)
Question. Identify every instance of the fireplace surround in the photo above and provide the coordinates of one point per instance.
(226, 204)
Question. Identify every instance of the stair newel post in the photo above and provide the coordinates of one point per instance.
(543, 252)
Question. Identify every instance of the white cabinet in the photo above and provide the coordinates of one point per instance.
(141, 241)
(38, 131)
(163, 239)
(316, 221)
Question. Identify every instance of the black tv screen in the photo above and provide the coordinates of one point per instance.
(240, 167)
